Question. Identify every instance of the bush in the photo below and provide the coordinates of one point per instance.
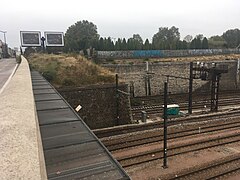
(66, 70)
(68, 82)
(49, 75)
(18, 59)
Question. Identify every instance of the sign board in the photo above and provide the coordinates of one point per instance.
(78, 108)
(54, 38)
(30, 38)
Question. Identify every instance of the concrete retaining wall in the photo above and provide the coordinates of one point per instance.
(163, 53)
(136, 75)
(21, 152)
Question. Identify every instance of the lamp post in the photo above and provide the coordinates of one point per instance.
(4, 34)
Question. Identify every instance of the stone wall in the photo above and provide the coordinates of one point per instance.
(99, 104)
(136, 76)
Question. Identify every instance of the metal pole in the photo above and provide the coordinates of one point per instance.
(5, 37)
(21, 51)
(165, 126)
(117, 100)
(149, 85)
(215, 92)
(146, 84)
(4, 34)
(147, 66)
(213, 87)
(190, 89)
(43, 43)
(5, 46)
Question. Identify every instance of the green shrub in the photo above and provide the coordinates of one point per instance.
(49, 75)
(68, 82)
(18, 59)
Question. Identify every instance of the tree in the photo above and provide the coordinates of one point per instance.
(29, 50)
(193, 44)
(124, 45)
(118, 44)
(166, 38)
(217, 42)
(205, 43)
(184, 45)
(100, 44)
(188, 38)
(105, 44)
(200, 36)
(130, 44)
(147, 45)
(108, 44)
(80, 36)
(138, 42)
(232, 37)
(198, 43)
(53, 50)
(135, 42)
(179, 45)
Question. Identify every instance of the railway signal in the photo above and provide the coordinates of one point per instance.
(190, 89)
(34, 39)
(211, 72)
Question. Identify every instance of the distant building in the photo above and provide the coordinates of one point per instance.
(1, 50)
(6, 52)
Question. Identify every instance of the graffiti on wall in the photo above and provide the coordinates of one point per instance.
(163, 53)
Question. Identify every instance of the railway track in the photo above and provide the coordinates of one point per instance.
(183, 97)
(158, 109)
(156, 135)
(120, 130)
(130, 137)
(218, 169)
(156, 154)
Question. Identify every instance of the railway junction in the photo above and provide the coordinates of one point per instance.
(203, 144)
(202, 141)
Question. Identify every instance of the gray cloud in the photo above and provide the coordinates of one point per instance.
(120, 18)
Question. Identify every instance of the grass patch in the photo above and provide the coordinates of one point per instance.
(70, 70)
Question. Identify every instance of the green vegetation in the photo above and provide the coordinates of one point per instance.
(217, 42)
(166, 38)
(232, 37)
(199, 42)
(18, 59)
(69, 70)
(83, 35)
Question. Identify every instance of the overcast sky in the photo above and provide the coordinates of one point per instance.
(121, 18)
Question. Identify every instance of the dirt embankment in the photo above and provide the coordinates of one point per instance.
(69, 70)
